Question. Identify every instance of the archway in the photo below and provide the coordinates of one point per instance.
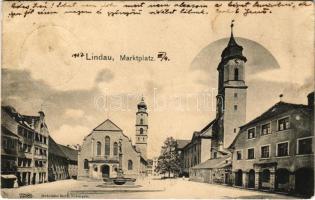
(239, 178)
(105, 171)
(251, 179)
(282, 179)
(304, 181)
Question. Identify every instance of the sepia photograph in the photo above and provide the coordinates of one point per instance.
(157, 99)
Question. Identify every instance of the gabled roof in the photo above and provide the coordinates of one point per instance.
(16, 116)
(26, 120)
(208, 126)
(107, 125)
(212, 163)
(54, 148)
(277, 109)
(70, 153)
(182, 143)
(30, 119)
(204, 132)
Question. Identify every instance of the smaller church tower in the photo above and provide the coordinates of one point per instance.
(142, 128)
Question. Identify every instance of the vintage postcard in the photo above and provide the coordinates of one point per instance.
(157, 99)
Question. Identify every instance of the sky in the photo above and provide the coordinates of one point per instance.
(38, 72)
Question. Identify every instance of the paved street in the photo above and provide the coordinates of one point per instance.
(150, 188)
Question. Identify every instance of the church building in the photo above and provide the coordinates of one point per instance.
(230, 115)
(99, 154)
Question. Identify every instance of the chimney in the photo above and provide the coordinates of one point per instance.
(310, 100)
(41, 116)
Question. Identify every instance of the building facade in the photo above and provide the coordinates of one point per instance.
(32, 145)
(275, 150)
(57, 162)
(213, 171)
(72, 158)
(9, 154)
(198, 149)
(98, 157)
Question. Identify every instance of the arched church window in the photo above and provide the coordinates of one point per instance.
(86, 164)
(236, 74)
(107, 145)
(141, 121)
(141, 130)
(130, 165)
(98, 148)
(115, 148)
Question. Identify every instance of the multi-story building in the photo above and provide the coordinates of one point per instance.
(9, 153)
(198, 149)
(180, 144)
(275, 150)
(72, 158)
(57, 162)
(32, 145)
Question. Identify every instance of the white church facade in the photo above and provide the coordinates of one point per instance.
(99, 154)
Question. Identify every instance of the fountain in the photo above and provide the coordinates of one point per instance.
(120, 179)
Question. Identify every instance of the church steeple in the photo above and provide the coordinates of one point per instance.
(142, 127)
(232, 91)
(233, 50)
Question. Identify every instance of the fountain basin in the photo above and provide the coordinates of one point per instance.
(119, 180)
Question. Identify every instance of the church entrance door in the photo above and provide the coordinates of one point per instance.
(105, 171)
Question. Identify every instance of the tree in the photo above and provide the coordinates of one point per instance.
(168, 161)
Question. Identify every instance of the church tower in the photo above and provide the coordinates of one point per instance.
(142, 128)
(232, 92)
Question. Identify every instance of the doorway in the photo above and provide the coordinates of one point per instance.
(251, 179)
(105, 171)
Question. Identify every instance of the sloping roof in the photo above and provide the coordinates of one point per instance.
(6, 131)
(26, 120)
(204, 133)
(16, 116)
(275, 110)
(182, 143)
(30, 119)
(54, 148)
(208, 126)
(71, 154)
(212, 163)
(107, 125)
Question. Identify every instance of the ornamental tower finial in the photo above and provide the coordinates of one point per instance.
(232, 25)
